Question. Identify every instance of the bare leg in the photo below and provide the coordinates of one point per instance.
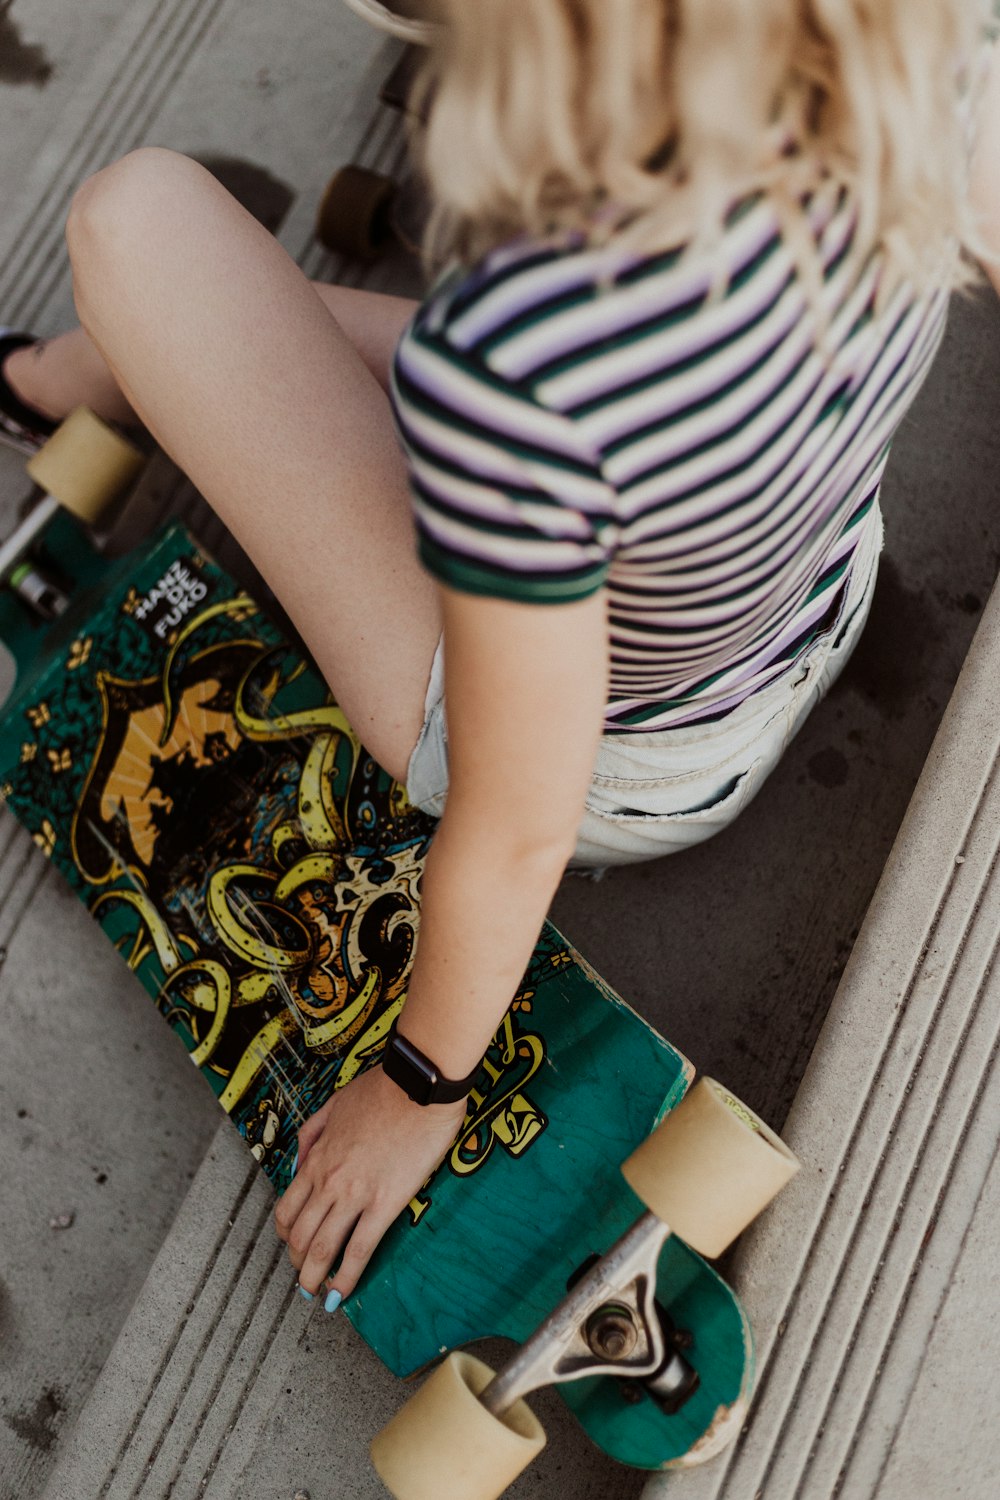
(222, 348)
(59, 373)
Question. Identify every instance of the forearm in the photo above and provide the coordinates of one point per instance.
(486, 892)
(525, 687)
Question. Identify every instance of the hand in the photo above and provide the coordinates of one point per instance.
(361, 1159)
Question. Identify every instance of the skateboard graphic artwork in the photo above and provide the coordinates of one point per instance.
(184, 766)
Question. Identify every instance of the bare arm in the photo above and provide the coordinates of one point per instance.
(525, 690)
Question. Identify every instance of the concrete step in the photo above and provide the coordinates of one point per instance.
(871, 1282)
(202, 1355)
(224, 1383)
(209, 77)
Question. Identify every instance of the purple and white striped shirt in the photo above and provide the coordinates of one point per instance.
(577, 418)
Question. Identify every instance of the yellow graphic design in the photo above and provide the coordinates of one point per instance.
(130, 787)
(79, 653)
(46, 838)
(301, 921)
(501, 1114)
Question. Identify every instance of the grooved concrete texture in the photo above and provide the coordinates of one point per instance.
(225, 1384)
(871, 1282)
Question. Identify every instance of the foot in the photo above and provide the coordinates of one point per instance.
(21, 426)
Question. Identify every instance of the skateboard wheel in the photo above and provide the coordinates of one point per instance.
(445, 1445)
(709, 1168)
(85, 465)
(353, 217)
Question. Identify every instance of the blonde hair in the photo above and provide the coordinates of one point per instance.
(646, 120)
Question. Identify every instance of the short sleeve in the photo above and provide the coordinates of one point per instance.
(506, 502)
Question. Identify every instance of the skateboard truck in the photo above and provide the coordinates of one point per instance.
(704, 1173)
(608, 1324)
(29, 580)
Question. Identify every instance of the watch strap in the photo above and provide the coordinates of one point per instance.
(418, 1076)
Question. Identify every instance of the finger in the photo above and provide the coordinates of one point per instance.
(326, 1245)
(291, 1203)
(318, 1208)
(364, 1241)
(310, 1132)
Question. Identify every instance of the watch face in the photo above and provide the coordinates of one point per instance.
(408, 1067)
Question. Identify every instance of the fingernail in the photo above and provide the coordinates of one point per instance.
(333, 1301)
(307, 1295)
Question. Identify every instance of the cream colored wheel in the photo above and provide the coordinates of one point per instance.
(85, 465)
(445, 1445)
(709, 1168)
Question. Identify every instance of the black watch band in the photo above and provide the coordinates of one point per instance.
(418, 1077)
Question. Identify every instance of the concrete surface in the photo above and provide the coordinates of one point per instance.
(871, 1282)
(224, 1384)
(734, 950)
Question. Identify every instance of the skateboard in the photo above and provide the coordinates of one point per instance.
(184, 765)
(362, 211)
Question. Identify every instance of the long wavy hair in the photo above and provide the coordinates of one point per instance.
(647, 120)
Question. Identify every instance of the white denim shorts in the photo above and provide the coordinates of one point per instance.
(652, 794)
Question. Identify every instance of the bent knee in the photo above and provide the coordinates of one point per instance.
(131, 199)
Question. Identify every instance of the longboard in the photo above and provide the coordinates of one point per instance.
(185, 767)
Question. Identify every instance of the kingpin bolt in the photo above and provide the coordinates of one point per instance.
(611, 1333)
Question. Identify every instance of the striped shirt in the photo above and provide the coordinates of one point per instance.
(577, 418)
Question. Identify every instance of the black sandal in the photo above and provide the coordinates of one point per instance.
(21, 427)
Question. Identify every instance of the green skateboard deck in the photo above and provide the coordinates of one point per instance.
(186, 769)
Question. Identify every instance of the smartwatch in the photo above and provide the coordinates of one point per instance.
(418, 1077)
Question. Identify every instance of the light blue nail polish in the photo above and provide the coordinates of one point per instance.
(333, 1301)
(307, 1295)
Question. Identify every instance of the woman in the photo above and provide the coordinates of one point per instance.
(692, 262)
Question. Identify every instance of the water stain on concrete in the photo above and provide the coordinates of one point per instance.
(966, 604)
(264, 196)
(889, 664)
(828, 767)
(38, 1425)
(20, 62)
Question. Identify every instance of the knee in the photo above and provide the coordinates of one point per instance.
(126, 205)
